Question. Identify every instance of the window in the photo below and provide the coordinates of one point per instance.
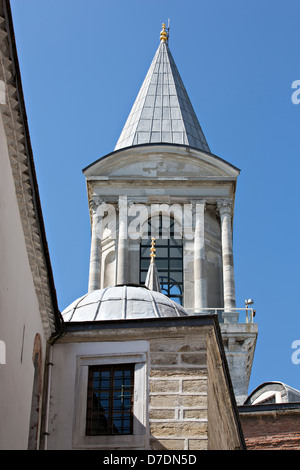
(169, 257)
(105, 417)
(270, 396)
(110, 400)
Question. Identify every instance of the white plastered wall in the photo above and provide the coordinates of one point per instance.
(67, 414)
(20, 319)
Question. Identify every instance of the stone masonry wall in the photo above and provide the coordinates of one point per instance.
(178, 393)
(223, 429)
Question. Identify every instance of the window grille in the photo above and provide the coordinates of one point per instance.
(169, 258)
(110, 400)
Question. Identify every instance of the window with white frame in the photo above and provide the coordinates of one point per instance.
(110, 400)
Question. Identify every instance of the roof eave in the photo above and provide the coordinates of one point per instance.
(45, 263)
(155, 145)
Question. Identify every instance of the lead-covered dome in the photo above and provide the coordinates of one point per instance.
(122, 303)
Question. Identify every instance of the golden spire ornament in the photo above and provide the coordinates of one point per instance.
(152, 279)
(152, 250)
(163, 34)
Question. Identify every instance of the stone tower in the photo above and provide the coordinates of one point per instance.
(162, 181)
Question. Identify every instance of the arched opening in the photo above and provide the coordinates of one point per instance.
(33, 437)
(169, 256)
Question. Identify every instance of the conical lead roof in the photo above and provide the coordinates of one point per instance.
(162, 111)
(152, 278)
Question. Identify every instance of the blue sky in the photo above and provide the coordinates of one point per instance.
(82, 64)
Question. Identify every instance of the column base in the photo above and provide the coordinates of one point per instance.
(230, 317)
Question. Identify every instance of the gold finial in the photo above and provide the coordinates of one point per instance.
(163, 34)
(152, 250)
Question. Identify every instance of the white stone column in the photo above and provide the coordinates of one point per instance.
(122, 261)
(95, 256)
(200, 276)
(225, 210)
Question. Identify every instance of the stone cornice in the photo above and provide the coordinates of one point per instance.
(14, 117)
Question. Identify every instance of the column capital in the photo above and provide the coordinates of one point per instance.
(224, 206)
(131, 203)
(122, 202)
(95, 202)
(198, 201)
